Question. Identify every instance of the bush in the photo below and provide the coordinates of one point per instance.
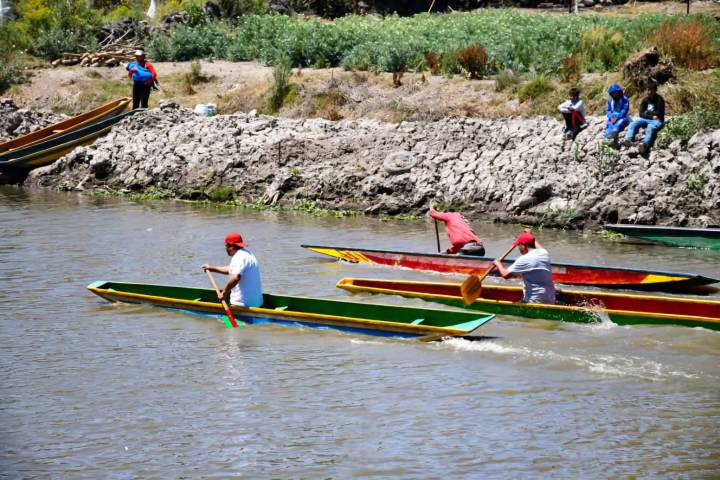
(506, 79)
(281, 84)
(602, 48)
(692, 44)
(571, 68)
(475, 61)
(11, 71)
(538, 85)
(682, 127)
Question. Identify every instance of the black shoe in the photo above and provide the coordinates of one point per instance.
(643, 149)
(626, 143)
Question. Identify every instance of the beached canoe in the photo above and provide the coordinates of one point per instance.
(47, 151)
(675, 236)
(13, 148)
(573, 306)
(365, 318)
(592, 275)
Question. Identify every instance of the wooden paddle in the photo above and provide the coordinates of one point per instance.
(471, 288)
(229, 314)
(437, 235)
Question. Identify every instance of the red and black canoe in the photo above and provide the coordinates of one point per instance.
(570, 274)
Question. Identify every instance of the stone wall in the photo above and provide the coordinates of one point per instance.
(516, 170)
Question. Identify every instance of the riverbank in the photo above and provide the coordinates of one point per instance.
(518, 170)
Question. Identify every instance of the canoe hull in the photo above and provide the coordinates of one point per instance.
(705, 238)
(575, 306)
(372, 319)
(14, 148)
(46, 152)
(570, 274)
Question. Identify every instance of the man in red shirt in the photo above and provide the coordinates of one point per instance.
(458, 230)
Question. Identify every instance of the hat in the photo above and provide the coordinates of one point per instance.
(524, 238)
(615, 88)
(234, 238)
(139, 53)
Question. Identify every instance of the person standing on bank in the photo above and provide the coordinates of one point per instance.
(461, 236)
(144, 78)
(534, 267)
(243, 285)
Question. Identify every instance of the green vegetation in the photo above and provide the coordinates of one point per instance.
(696, 183)
(610, 235)
(281, 85)
(152, 193)
(684, 126)
(220, 194)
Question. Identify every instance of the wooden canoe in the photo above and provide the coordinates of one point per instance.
(567, 273)
(365, 318)
(46, 152)
(573, 305)
(13, 148)
(675, 236)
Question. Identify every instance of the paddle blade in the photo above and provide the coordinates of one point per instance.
(471, 289)
(228, 323)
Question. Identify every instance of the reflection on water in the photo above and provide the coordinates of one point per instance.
(91, 389)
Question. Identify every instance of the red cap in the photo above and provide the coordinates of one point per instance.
(234, 238)
(524, 238)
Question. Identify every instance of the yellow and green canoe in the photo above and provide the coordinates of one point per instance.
(365, 318)
(573, 305)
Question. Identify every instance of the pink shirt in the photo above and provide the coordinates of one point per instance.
(456, 227)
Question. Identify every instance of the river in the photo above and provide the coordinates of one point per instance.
(95, 390)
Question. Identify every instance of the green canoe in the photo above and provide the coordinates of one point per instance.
(708, 238)
(366, 318)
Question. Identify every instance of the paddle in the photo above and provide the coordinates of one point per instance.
(437, 235)
(471, 288)
(231, 319)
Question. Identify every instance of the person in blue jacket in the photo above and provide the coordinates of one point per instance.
(144, 79)
(618, 107)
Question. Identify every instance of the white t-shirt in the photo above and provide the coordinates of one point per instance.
(536, 271)
(248, 291)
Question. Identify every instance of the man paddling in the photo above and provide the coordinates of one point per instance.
(244, 282)
(534, 267)
(458, 230)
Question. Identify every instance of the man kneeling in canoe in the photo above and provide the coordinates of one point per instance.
(534, 267)
(244, 282)
(462, 237)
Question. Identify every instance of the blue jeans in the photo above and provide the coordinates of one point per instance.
(651, 127)
(618, 126)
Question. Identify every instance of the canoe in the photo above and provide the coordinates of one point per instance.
(365, 318)
(12, 148)
(675, 236)
(46, 152)
(573, 306)
(567, 273)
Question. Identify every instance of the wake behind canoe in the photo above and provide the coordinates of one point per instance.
(365, 318)
(573, 306)
(571, 274)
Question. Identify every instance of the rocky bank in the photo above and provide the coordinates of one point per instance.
(514, 170)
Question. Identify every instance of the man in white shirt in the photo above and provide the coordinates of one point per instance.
(244, 281)
(534, 267)
(573, 111)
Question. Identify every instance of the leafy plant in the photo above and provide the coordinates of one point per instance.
(696, 183)
(281, 84)
(220, 194)
(11, 71)
(538, 84)
(475, 60)
(682, 127)
(506, 79)
(602, 48)
(692, 44)
(571, 68)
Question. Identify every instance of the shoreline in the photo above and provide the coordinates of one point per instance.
(519, 170)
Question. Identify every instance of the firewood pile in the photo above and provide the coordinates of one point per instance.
(107, 56)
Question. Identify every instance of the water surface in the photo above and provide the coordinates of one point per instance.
(95, 390)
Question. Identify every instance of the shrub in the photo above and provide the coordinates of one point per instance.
(506, 79)
(433, 62)
(602, 48)
(571, 68)
(196, 72)
(449, 62)
(692, 44)
(682, 127)
(11, 71)
(474, 60)
(537, 85)
(281, 84)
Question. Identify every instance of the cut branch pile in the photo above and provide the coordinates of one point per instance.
(107, 56)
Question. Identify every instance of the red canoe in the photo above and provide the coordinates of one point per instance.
(597, 276)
